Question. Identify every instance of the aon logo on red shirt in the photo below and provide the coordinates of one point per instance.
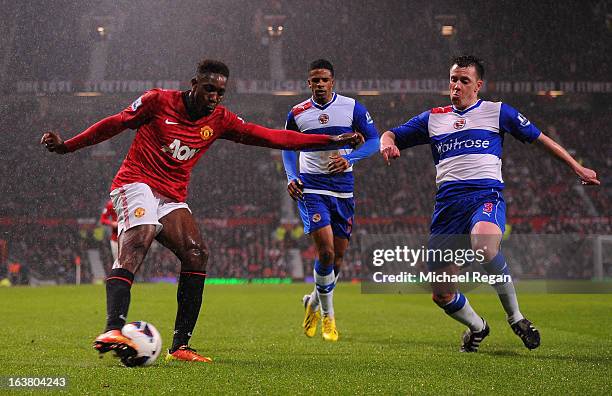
(180, 152)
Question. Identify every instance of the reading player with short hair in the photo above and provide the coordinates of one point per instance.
(466, 142)
(323, 185)
(174, 130)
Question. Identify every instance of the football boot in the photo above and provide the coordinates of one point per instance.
(311, 317)
(187, 354)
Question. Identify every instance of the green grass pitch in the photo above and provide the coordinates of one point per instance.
(400, 344)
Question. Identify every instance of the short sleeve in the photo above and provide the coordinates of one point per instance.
(290, 124)
(363, 122)
(412, 133)
(516, 124)
(234, 127)
(141, 110)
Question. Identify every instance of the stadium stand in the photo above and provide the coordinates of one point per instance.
(47, 223)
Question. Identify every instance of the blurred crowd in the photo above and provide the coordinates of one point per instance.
(391, 39)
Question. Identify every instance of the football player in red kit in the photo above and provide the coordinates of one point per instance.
(109, 219)
(174, 129)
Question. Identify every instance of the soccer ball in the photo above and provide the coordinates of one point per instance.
(148, 341)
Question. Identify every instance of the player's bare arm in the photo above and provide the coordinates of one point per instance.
(388, 149)
(587, 176)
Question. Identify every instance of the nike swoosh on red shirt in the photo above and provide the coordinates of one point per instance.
(171, 122)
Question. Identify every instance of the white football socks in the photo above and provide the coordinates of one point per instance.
(314, 299)
(465, 314)
(314, 295)
(507, 297)
(327, 283)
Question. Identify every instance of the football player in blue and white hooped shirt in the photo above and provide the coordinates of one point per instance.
(323, 185)
(466, 142)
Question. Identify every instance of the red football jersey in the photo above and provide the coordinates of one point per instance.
(167, 143)
(108, 217)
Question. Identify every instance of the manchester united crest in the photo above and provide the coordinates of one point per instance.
(206, 132)
(139, 212)
(323, 119)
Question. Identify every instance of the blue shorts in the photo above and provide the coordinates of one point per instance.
(318, 211)
(458, 216)
(453, 220)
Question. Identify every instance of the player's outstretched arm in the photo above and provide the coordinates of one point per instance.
(371, 144)
(587, 176)
(257, 135)
(98, 132)
(388, 149)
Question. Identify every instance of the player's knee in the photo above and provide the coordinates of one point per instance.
(442, 299)
(133, 252)
(488, 253)
(128, 263)
(326, 257)
(195, 257)
(486, 246)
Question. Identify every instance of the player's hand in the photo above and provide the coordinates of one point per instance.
(389, 152)
(296, 189)
(353, 139)
(587, 176)
(337, 164)
(53, 143)
(361, 139)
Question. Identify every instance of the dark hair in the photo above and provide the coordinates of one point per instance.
(213, 66)
(321, 64)
(470, 60)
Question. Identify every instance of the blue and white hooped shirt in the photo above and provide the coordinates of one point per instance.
(340, 115)
(466, 145)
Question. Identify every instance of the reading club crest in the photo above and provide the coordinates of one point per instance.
(206, 132)
(460, 123)
(316, 217)
(323, 119)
